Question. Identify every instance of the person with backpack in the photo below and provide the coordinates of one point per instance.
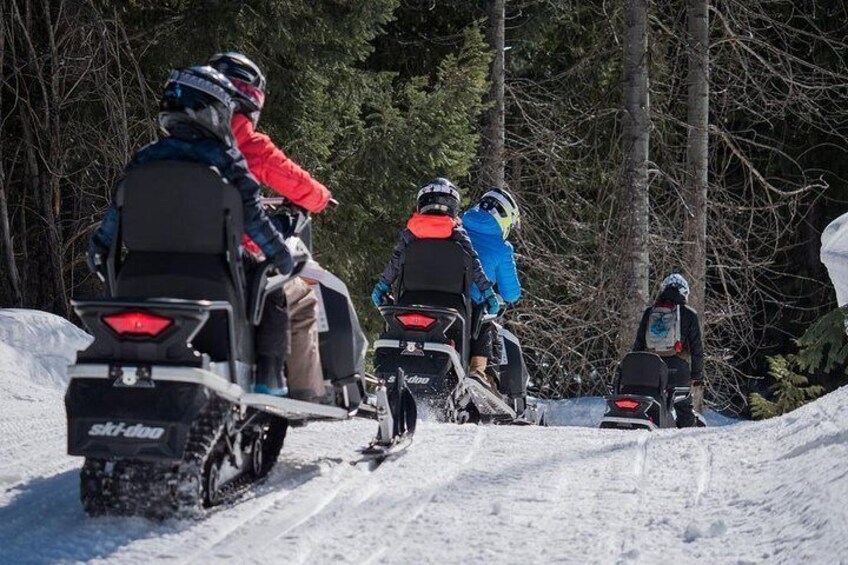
(436, 218)
(672, 330)
(273, 168)
(489, 224)
(196, 112)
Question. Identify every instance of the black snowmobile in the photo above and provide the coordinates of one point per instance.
(427, 338)
(514, 379)
(160, 405)
(641, 398)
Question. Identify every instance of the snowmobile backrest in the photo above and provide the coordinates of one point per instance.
(643, 373)
(436, 265)
(179, 207)
(182, 224)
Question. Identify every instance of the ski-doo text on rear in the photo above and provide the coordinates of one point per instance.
(123, 429)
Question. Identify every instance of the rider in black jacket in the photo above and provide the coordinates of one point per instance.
(687, 362)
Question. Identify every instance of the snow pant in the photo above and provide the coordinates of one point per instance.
(305, 375)
(680, 376)
(481, 346)
(481, 352)
(685, 415)
(272, 341)
(493, 367)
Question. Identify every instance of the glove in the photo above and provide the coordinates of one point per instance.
(493, 305)
(284, 224)
(284, 262)
(378, 295)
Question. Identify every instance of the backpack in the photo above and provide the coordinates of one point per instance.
(663, 335)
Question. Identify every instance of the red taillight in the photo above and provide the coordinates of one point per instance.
(137, 323)
(627, 404)
(416, 321)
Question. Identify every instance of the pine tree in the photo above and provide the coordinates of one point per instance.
(790, 390)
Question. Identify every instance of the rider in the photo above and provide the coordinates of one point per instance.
(672, 329)
(489, 223)
(436, 218)
(272, 167)
(196, 111)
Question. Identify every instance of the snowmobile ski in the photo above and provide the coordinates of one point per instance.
(377, 453)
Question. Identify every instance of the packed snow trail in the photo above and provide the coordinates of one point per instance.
(767, 492)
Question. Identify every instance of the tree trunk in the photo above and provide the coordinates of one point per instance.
(492, 150)
(697, 152)
(636, 138)
(6, 244)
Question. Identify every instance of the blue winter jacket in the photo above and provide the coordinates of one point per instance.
(187, 145)
(496, 255)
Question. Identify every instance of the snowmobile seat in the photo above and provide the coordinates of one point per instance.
(643, 374)
(181, 224)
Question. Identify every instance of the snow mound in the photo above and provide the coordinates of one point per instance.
(771, 492)
(36, 349)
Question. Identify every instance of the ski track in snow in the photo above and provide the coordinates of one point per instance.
(767, 492)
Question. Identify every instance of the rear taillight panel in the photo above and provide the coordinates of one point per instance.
(627, 404)
(416, 321)
(137, 323)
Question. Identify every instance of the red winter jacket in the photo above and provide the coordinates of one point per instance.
(272, 167)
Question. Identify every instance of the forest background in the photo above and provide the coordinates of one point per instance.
(374, 97)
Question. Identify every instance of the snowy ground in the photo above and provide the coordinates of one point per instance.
(769, 492)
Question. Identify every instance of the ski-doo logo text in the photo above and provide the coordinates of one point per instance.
(122, 429)
(411, 380)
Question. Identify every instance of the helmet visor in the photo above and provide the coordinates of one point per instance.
(254, 93)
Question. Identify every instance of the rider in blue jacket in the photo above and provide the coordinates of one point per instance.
(489, 223)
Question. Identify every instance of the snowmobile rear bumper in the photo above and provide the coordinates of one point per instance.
(146, 412)
(412, 347)
(621, 423)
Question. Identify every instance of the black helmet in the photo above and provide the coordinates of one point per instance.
(201, 97)
(439, 196)
(247, 77)
(502, 206)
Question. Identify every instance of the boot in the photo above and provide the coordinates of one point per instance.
(477, 371)
(270, 376)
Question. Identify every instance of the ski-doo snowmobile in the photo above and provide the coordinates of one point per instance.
(427, 339)
(160, 404)
(641, 398)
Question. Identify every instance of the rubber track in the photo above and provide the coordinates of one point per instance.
(161, 490)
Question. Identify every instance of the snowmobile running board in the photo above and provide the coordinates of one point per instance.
(280, 406)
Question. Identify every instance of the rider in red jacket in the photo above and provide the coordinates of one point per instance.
(272, 167)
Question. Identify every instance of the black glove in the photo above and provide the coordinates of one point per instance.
(284, 263)
(284, 224)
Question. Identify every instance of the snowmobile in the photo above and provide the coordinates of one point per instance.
(427, 338)
(160, 404)
(641, 398)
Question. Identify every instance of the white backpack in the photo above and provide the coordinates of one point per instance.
(663, 336)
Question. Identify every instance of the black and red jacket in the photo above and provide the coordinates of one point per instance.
(690, 332)
(431, 226)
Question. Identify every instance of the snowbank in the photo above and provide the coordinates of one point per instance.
(36, 348)
(834, 254)
(771, 492)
